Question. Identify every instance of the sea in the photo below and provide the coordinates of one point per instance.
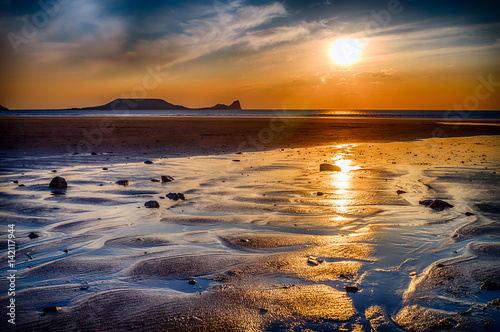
(452, 115)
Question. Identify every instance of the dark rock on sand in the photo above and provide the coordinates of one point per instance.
(155, 180)
(440, 205)
(58, 183)
(152, 205)
(192, 282)
(148, 162)
(426, 202)
(123, 183)
(437, 204)
(33, 235)
(176, 196)
(51, 309)
(469, 214)
(489, 285)
(166, 178)
(351, 289)
(329, 168)
(319, 193)
(399, 192)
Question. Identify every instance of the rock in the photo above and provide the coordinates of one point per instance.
(176, 196)
(93, 154)
(58, 183)
(351, 289)
(319, 193)
(148, 162)
(440, 205)
(155, 180)
(152, 205)
(437, 204)
(236, 160)
(439, 265)
(239, 152)
(426, 202)
(313, 260)
(192, 282)
(104, 168)
(33, 235)
(50, 310)
(166, 178)
(66, 251)
(54, 171)
(122, 183)
(489, 285)
(15, 181)
(399, 192)
(263, 310)
(84, 285)
(329, 168)
(469, 214)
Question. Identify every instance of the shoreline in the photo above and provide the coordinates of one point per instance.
(188, 136)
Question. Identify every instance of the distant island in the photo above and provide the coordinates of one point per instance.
(6, 109)
(154, 104)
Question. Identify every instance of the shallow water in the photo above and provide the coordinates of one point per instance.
(266, 226)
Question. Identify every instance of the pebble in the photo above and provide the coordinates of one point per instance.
(33, 235)
(152, 205)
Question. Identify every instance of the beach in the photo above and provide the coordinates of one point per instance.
(261, 240)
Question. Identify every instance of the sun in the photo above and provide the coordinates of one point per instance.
(346, 51)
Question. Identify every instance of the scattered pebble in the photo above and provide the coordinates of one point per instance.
(152, 205)
(166, 178)
(123, 183)
(192, 282)
(58, 183)
(176, 196)
(52, 309)
(351, 289)
(399, 192)
(329, 168)
(148, 162)
(33, 235)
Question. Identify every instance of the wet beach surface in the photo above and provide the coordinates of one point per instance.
(263, 241)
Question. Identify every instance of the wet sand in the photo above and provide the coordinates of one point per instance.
(197, 136)
(272, 243)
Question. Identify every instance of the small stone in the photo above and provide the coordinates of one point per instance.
(84, 285)
(319, 193)
(93, 154)
(15, 181)
(166, 178)
(176, 196)
(54, 171)
(351, 289)
(50, 310)
(439, 265)
(58, 183)
(148, 162)
(33, 235)
(104, 168)
(440, 205)
(469, 214)
(155, 180)
(123, 183)
(399, 192)
(66, 251)
(312, 260)
(329, 168)
(152, 205)
(489, 285)
(236, 160)
(263, 310)
(239, 152)
(426, 202)
(192, 282)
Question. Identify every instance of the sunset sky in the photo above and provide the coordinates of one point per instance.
(416, 54)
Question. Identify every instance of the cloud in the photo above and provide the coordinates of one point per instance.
(383, 73)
